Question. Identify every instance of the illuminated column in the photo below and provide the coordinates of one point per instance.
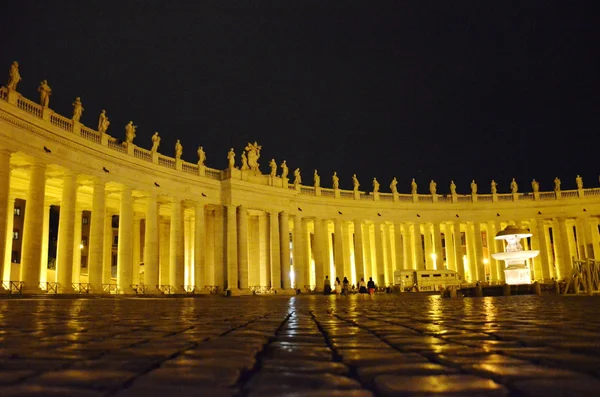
(232, 248)
(439, 251)
(450, 254)
(389, 263)
(326, 250)
(428, 246)
(220, 241)
(561, 242)
(491, 243)
(137, 248)
(458, 250)
(284, 232)
(359, 252)
(164, 243)
(125, 242)
(263, 251)
(176, 247)
(298, 251)
(77, 244)
(499, 248)
(368, 252)
(188, 248)
(418, 247)
(586, 237)
(399, 246)
(275, 251)
(8, 242)
(471, 256)
(379, 260)
(253, 251)
(209, 257)
(243, 247)
(151, 246)
(571, 240)
(346, 251)
(479, 252)
(199, 247)
(318, 254)
(338, 249)
(6, 210)
(45, 244)
(407, 244)
(539, 239)
(96, 240)
(107, 248)
(66, 233)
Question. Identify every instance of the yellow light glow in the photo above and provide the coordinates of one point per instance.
(433, 256)
(486, 261)
(80, 246)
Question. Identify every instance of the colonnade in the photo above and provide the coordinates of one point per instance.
(188, 244)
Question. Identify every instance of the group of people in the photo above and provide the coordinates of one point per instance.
(342, 288)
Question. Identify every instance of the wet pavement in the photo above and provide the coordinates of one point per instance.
(393, 345)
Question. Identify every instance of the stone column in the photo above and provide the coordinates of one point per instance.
(418, 246)
(176, 247)
(5, 210)
(125, 242)
(398, 244)
(573, 249)
(77, 244)
(590, 251)
(107, 249)
(209, 256)
(275, 260)
(318, 254)
(326, 244)
(450, 250)
(407, 244)
(437, 243)
(471, 255)
(561, 242)
(346, 251)
(284, 233)
(199, 247)
(500, 248)
(96, 240)
(479, 252)
(595, 237)
(66, 233)
(33, 234)
(428, 246)
(491, 243)
(298, 251)
(45, 243)
(232, 249)
(8, 241)
(137, 250)
(220, 246)
(458, 250)
(359, 258)
(263, 276)
(389, 263)
(243, 247)
(338, 250)
(380, 276)
(539, 240)
(164, 240)
(151, 246)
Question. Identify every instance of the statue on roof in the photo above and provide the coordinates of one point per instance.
(244, 162)
(103, 122)
(556, 184)
(355, 183)
(155, 142)
(273, 166)
(284, 170)
(413, 186)
(317, 179)
(45, 92)
(452, 188)
(535, 186)
(336, 180)
(178, 150)
(13, 76)
(375, 186)
(432, 187)
(513, 186)
(231, 158)
(201, 156)
(77, 109)
(393, 185)
(130, 132)
(253, 150)
(297, 177)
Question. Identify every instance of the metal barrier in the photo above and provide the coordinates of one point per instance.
(50, 287)
(166, 289)
(261, 290)
(139, 289)
(188, 289)
(110, 288)
(13, 287)
(585, 276)
(212, 289)
(81, 288)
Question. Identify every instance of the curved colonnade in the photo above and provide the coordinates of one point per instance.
(184, 227)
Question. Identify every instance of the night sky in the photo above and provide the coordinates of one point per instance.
(426, 89)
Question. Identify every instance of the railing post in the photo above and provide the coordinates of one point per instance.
(317, 191)
(415, 198)
(474, 197)
(46, 113)
(178, 164)
(494, 197)
(336, 193)
(76, 128)
(454, 197)
(201, 170)
(13, 97)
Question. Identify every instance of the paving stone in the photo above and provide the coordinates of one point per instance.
(304, 366)
(190, 376)
(8, 377)
(318, 393)
(176, 391)
(506, 373)
(93, 379)
(456, 385)
(495, 359)
(271, 383)
(47, 391)
(242, 363)
(555, 387)
(366, 357)
(367, 374)
(291, 352)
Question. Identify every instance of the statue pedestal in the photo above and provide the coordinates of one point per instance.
(517, 274)
(13, 96)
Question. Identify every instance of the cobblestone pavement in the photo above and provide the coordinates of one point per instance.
(301, 346)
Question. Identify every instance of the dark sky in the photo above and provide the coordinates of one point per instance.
(426, 89)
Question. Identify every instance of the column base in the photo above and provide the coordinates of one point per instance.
(32, 291)
(286, 291)
(126, 291)
(152, 291)
(202, 292)
(239, 292)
